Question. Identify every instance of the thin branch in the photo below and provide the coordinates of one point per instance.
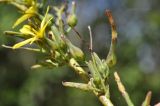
(91, 40)
(105, 101)
(122, 90)
(147, 99)
(79, 35)
(81, 86)
(79, 70)
(24, 48)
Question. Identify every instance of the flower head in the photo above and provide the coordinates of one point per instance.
(32, 33)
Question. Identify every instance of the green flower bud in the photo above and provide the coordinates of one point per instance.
(75, 51)
(72, 20)
(53, 44)
(101, 65)
(94, 72)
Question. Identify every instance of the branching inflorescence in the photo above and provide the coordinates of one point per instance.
(49, 32)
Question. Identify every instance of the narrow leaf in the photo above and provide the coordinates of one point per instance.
(111, 58)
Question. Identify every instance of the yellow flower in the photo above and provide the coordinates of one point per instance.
(33, 34)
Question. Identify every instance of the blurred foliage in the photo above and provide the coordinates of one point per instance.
(138, 55)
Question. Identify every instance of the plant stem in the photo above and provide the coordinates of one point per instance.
(78, 69)
(122, 90)
(147, 99)
(105, 101)
(81, 86)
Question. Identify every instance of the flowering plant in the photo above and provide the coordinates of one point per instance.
(49, 32)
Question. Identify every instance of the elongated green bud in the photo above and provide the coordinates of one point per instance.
(101, 65)
(53, 44)
(75, 51)
(94, 73)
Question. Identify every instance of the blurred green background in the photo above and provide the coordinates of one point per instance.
(138, 53)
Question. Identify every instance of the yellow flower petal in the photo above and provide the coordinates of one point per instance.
(44, 24)
(31, 10)
(28, 14)
(44, 19)
(20, 44)
(21, 19)
(33, 39)
(42, 30)
(27, 30)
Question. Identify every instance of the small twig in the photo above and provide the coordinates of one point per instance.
(147, 99)
(122, 90)
(12, 33)
(24, 48)
(105, 101)
(79, 35)
(81, 86)
(79, 70)
(91, 40)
